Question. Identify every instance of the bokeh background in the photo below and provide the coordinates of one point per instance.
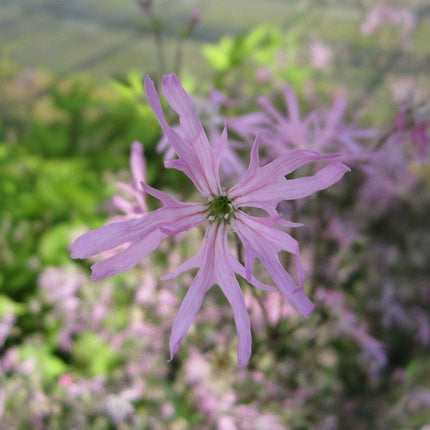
(81, 354)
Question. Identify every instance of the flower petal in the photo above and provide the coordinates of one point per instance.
(190, 142)
(138, 170)
(231, 289)
(216, 267)
(128, 258)
(189, 307)
(292, 105)
(192, 131)
(137, 163)
(240, 270)
(263, 178)
(267, 188)
(146, 234)
(106, 237)
(123, 205)
(263, 241)
(190, 123)
(303, 187)
(193, 300)
(294, 295)
(189, 159)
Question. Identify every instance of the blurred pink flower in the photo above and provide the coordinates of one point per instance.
(263, 74)
(6, 325)
(289, 131)
(383, 14)
(65, 380)
(195, 15)
(81, 388)
(321, 55)
(197, 367)
(387, 176)
(322, 130)
(222, 211)
(137, 206)
(9, 361)
(332, 133)
(118, 408)
(61, 288)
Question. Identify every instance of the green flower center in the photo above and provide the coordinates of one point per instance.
(220, 208)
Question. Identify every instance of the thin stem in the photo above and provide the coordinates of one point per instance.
(156, 33)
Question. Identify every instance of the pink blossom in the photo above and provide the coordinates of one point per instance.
(118, 408)
(197, 368)
(321, 55)
(221, 212)
(195, 16)
(65, 380)
(292, 127)
(6, 325)
(332, 133)
(388, 175)
(83, 387)
(9, 361)
(322, 130)
(383, 14)
(61, 289)
(137, 206)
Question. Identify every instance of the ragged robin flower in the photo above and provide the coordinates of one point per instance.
(221, 212)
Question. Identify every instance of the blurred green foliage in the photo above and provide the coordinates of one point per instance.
(52, 171)
(270, 52)
(93, 356)
(262, 47)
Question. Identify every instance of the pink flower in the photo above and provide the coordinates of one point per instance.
(294, 130)
(221, 212)
(321, 55)
(137, 206)
(383, 14)
(322, 130)
(6, 325)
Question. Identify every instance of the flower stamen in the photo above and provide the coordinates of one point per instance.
(220, 208)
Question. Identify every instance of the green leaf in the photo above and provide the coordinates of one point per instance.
(52, 249)
(49, 365)
(219, 55)
(94, 354)
(8, 306)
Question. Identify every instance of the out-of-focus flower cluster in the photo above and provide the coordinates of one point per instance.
(383, 13)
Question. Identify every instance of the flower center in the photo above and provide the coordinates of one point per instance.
(220, 208)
